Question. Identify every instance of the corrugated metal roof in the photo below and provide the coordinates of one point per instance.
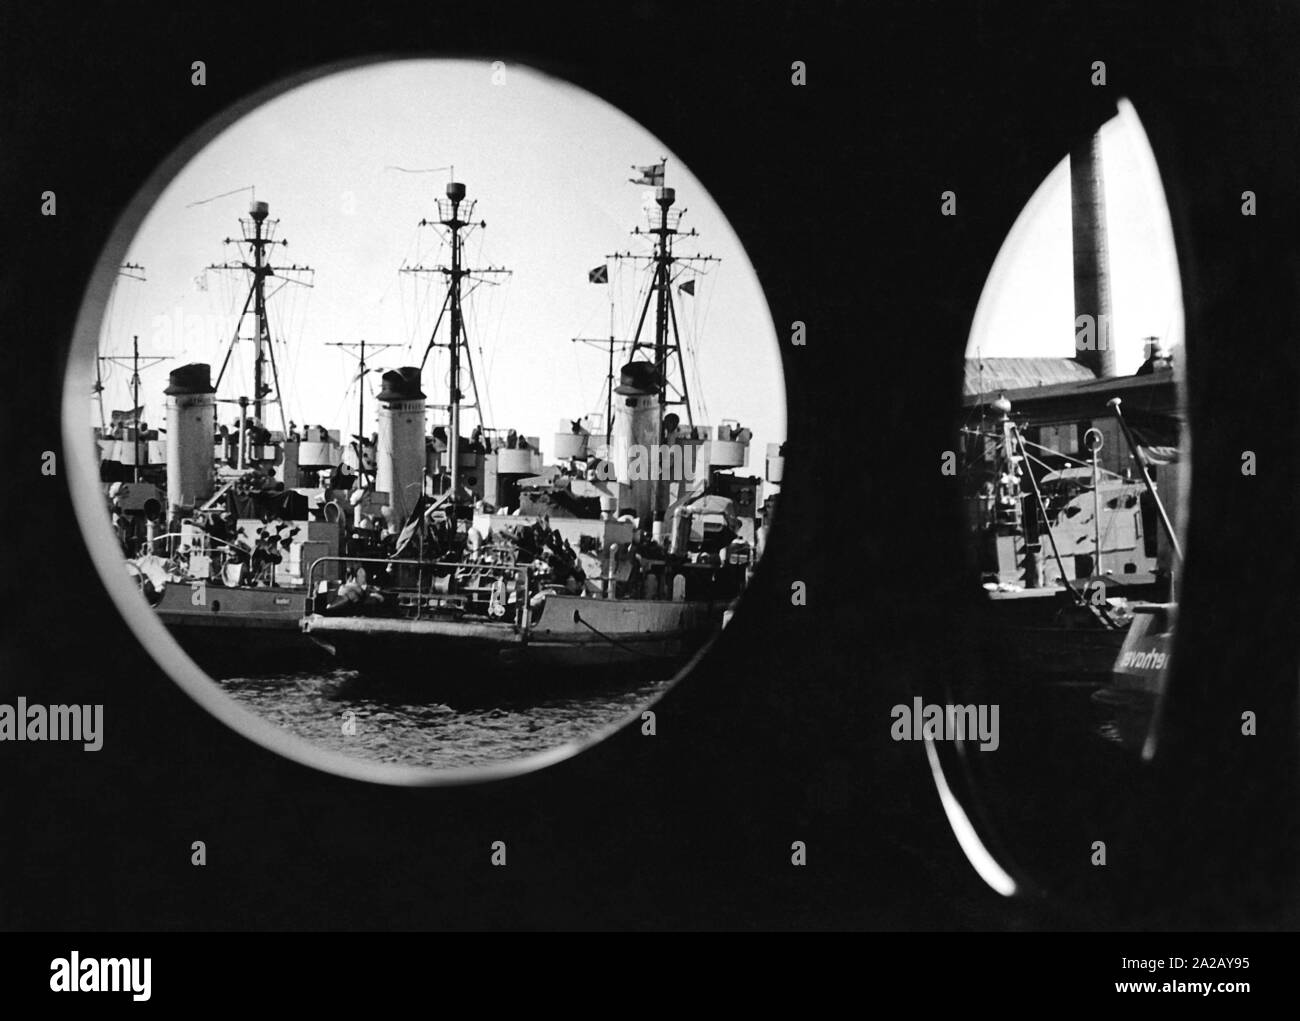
(1020, 373)
(1089, 387)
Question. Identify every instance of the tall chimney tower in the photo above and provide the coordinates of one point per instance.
(1091, 258)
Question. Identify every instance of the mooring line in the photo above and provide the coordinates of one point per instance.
(577, 619)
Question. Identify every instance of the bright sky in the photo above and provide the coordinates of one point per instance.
(1027, 307)
(549, 165)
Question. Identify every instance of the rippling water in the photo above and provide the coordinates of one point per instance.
(399, 723)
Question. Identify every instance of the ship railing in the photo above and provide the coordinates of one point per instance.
(223, 550)
(174, 538)
(424, 596)
(1070, 460)
(209, 545)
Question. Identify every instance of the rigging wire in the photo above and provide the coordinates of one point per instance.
(226, 194)
(966, 430)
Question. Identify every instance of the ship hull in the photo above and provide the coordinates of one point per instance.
(232, 631)
(1059, 654)
(1140, 675)
(1042, 635)
(572, 635)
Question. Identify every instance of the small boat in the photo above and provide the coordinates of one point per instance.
(1041, 615)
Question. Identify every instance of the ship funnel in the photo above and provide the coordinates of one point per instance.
(258, 210)
(637, 379)
(191, 422)
(401, 385)
(636, 436)
(1093, 347)
(400, 459)
(455, 191)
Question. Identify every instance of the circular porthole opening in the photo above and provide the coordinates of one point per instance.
(437, 456)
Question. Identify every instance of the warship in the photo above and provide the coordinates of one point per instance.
(628, 551)
(263, 550)
(233, 517)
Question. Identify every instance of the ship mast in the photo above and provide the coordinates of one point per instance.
(361, 393)
(612, 343)
(132, 271)
(135, 386)
(259, 234)
(458, 223)
(666, 347)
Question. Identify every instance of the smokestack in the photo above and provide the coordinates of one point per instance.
(636, 435)
(399, 465)
(1094, 348)
(191, 420)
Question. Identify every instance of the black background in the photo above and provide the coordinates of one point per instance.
(782, 733)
